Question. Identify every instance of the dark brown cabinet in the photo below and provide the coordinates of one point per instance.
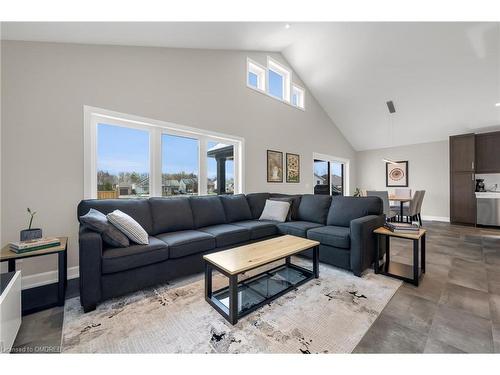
(462, 182)
(488, 152)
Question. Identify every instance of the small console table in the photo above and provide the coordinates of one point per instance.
(7, 255)
(405, 272)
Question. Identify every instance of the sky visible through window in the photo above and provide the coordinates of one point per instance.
(253, 79)
(121, 149)
(179, 154)
(275, 84)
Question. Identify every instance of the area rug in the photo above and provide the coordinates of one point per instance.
(326, 315)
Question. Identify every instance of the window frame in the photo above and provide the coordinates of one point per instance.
(346, 171)
(260, 72)
(156, 128)
(302, 91)
(286, 73)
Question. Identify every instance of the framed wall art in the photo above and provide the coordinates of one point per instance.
(396, 174)
(292, 168)
(274, 166)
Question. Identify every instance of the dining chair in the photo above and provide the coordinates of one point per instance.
(412, 211)
(384, 195)
(419, 207)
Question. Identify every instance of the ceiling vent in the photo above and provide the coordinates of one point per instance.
(390, 105)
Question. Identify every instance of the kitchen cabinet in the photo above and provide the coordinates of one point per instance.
(462, 179)
(487, 150)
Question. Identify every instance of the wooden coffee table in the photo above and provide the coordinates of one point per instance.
(241, 298)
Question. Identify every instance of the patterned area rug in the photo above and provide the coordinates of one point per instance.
(326, 315)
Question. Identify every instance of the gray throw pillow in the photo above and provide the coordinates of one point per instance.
(97, 221)
(289, 200)
(129, 227)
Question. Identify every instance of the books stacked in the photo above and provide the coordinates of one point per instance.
(403, 228)
(31, 245)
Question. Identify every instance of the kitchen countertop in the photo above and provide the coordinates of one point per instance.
(488, 194)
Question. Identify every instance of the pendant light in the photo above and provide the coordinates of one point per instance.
(392, 110)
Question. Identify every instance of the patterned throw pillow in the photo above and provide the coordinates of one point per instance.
(275, 211)
(97, 221)
(131, 228)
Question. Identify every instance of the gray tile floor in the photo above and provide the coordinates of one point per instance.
(455, 309)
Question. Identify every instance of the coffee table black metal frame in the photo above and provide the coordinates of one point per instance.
(405, 272)
(231, 314)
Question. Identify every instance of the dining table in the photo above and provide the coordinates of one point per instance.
(402, 201)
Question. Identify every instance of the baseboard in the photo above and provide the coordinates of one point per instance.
(45, 278)
(444, 219)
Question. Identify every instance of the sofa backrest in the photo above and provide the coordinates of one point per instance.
(236, 208)
(345, 209)
(171, 214)
(314, 208)
(207, 210)
(138, 209)
(257, 201)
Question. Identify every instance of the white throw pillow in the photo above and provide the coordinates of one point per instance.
(275, 210)
(128, 226)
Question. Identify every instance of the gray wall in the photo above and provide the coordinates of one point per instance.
(428, 169)
(45, 86)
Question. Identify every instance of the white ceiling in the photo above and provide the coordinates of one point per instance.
(444, 78)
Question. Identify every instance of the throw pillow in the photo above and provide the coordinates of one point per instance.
(97, 221)
(275, 210)
(131, 228)
(289, 200)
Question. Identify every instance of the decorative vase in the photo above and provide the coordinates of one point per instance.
(31, 234)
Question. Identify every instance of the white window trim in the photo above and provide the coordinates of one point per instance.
(285, 73)
(156, 128)
(333, 159)
(262, 74)
(302, 104)
(287, 90)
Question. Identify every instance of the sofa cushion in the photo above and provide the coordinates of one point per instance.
(275, 210)
(314, 208)
(236, 207)
(227, 234)
(294, 204)
(345, 209)
(171, 214)
(187, 242)
(129, 227)
(138, 209)
(98, 222)
(297, 228)
(207, 210)
(332, 236)
(258, 228)
(126, 258)
(257, 201)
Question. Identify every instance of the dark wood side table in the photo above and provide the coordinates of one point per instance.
(7, 255)
(405, 272)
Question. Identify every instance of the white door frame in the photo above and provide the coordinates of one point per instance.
(338, 159)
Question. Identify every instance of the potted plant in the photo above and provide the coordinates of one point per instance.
(31, 233)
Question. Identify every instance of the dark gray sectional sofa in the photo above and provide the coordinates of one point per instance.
(182, 229)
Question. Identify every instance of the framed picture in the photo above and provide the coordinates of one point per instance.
(396, 174)
(292, 168)
(274, 166)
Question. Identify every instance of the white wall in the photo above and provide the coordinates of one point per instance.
(428, 169)
(45, 86)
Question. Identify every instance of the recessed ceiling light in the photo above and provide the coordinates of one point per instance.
(497, 104)
(287, 26)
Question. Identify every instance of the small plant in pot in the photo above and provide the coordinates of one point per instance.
(31, 233)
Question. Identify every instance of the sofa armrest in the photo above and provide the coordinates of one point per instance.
(90, 251)
(363, 241)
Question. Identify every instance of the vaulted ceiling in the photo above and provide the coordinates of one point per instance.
(444, 78)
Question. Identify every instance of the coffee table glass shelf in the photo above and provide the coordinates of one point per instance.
(241, 298)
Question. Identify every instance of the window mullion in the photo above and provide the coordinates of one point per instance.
(202, 162)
